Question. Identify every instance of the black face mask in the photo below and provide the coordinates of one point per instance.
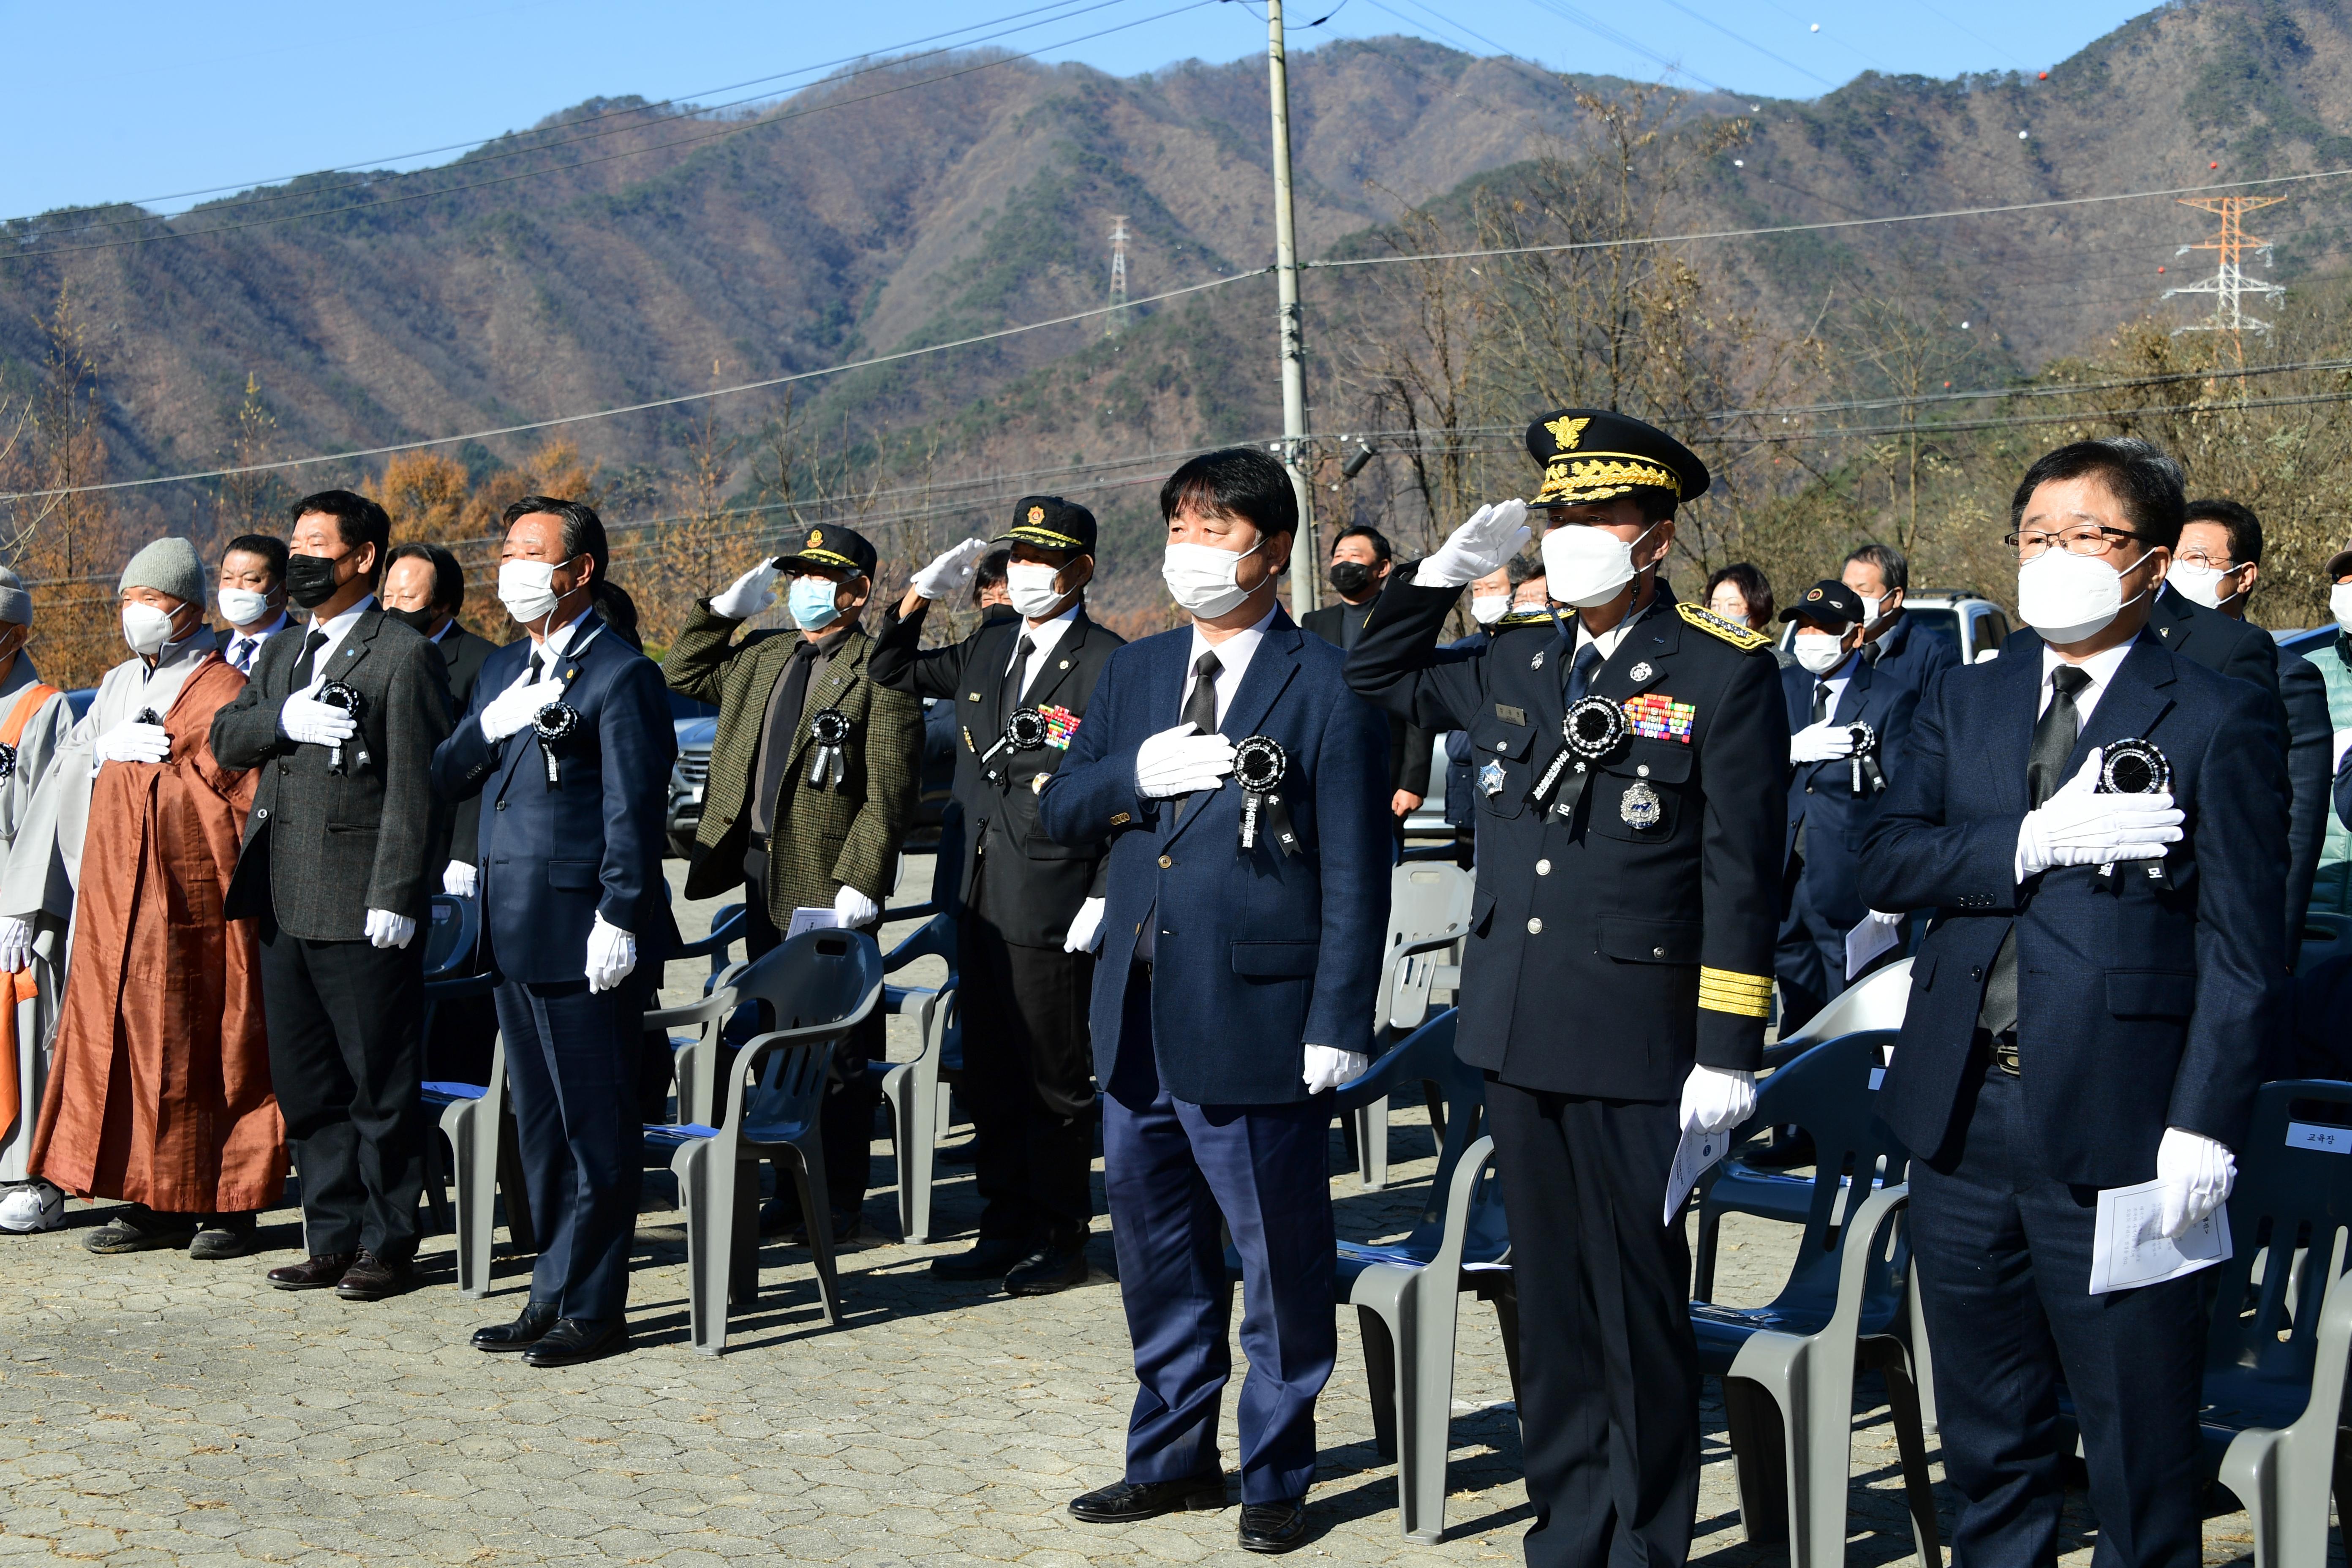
(418, 621)
(1350, 577)
(311, 580)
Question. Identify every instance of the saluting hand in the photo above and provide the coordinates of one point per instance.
(1493, 535)
(950, 571)
(748, 594)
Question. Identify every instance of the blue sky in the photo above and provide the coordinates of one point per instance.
(145, 101)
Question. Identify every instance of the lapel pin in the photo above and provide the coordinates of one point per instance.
(1640, 672)
(1065, 664)
(1535, 663)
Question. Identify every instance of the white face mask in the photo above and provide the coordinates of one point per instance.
(1031, 588)
(527, 588)
(1820, 653)
(2339, 604)
(1869, 608)
(1488, 609)
(243, 606)
(146, 629)
(2200, 585)
(1201, 577)
(2068, 598)
(1585, 565)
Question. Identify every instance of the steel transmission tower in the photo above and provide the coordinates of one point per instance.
(1117, 319)
(2229, 285)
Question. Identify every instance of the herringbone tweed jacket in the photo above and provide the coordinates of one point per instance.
(821, 837)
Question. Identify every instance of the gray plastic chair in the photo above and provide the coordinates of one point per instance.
(820, 985)
(2286, 1476)
(475, 1121)
(1429, 915)
(915, 1090)
(694, 1056)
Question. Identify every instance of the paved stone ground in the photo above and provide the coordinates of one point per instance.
(156, 1410)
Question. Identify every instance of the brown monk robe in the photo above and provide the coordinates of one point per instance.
(159, 1081)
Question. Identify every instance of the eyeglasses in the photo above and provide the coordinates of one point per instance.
(2086, 540)
(2199, 557)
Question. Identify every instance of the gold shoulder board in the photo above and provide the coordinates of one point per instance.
(1732, 632)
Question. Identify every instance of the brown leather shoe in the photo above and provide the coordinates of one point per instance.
(312, 1273)
(371, 1279)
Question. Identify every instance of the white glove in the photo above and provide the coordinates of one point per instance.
(854, 909)
(386, 928)
(1086, 927)
(1882, 918)
(517, 709)
(612, 954)
(748, 594)
(1328, 1068)
(2197, 1174)
(1714, 1099)
(314, 723)
(15, 944)
(1826, 741)
(952, 571)
(131, 742)
(2078, 827)
(460, 881)
(1178, 762)
(1492, 536)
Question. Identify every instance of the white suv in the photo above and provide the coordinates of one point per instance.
(1970, 622)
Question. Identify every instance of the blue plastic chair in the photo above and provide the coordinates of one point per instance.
(472, 1116)
(726, 929)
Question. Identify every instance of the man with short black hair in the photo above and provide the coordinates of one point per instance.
(252, 596)
(1360, 561)
(338, 866)
(1892, 641)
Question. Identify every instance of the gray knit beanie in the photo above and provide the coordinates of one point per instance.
(169, 566)
(15, 604)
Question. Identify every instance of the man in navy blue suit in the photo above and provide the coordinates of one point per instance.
(1240, 945)
(1893, 642)
(1849, 726)
(568, 734)
(2071, 1029)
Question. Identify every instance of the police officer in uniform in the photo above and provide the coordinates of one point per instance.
(1618, 968)
(1028, 908)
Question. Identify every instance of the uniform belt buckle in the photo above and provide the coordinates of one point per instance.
(2006, 1058)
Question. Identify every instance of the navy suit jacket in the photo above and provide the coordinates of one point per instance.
(1820, 794)
(554, 859)
(2138, 1008)
(1918, 656)
(1259, 954)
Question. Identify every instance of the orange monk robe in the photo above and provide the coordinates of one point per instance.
(159, 1081)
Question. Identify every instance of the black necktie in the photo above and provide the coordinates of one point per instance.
(1010, 698)
(537, 654)
(303, 672)
(2054, 735)
(1580, 668)
(241, 654)
(1202, 706)
(1821, 701)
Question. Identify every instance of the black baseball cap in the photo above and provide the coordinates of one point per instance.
(831, 546)
(1050, 522)
(1830, 601)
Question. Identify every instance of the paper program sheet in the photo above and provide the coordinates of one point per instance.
(2124, 1254)
(810, 920)
(1867, 941)
(1692, 1156)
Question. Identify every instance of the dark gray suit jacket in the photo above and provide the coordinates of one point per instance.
(321, 849)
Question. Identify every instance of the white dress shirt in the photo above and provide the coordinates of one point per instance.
(1837, 681)
(547, 651)
(2100, 666)
(1043, 641)
(337, 630)
(1233, 656)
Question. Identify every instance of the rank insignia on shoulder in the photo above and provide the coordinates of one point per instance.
(1490, 780)
(1732, 632)
(1656, 716)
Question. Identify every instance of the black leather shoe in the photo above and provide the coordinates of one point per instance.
(525, 1331)
(575, 1340)
(314, 1273)
(1124, 1502)
(371, 1279)
(1046, 1270)
(1274, 1526)
(988, 1260)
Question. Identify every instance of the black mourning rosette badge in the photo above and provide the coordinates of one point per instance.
(554, 724)
(1025, 730)
(1863, 761)
(337, 694)
(828, 733)
(1592, 728)
(2133, 767)
(7, 762)
(1260, 765)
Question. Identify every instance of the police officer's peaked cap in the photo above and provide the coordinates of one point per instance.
(1830, 601)
(1590, 454)
(1050, 522)
(831, 546)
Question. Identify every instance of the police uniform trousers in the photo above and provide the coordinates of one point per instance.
(845, 1118)
(1173, 1170)
(347, 1063)
(1608, 1375)
(1809, 960)
(2004, 1259)
(1028, 1081)
(572, 1071)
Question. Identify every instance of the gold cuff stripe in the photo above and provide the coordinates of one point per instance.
(1728, 991)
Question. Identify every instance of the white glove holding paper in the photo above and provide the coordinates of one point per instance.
(1714, 1099)
(461, 879)
(1178, 762)
(854, 909)
(1493, 535)
(131, 742)
(1325, 1067)
(517, 709)
(1827, 742)
(612, 953)
(952, 571)
(386, 928)
(2197, 1174)
(15, 944)
(1084, 934)
(748, 594)
(2077, 827)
